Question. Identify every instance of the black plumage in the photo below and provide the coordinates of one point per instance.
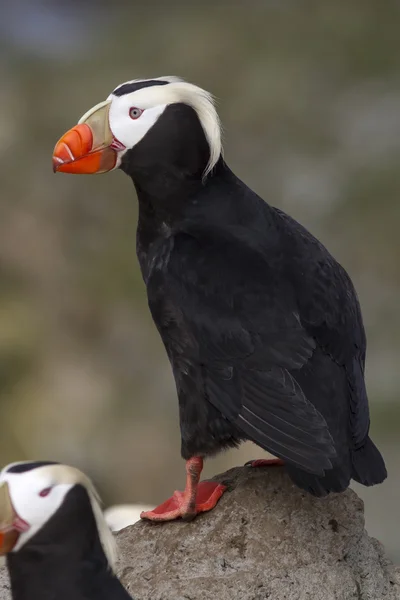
(261, 325)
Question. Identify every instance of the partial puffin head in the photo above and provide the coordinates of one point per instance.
(120, 516)
(43, 504)
(162, 122)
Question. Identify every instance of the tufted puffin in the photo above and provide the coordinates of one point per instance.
(261, 325)
(54, 535)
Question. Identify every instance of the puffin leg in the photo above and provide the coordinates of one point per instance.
(197, 497)
(265, 462)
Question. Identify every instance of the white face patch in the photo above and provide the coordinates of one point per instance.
(33, 508)
(153, 100)
(130, 131)
(38, 493)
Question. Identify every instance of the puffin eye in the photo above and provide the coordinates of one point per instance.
(134, 112)
(45, 492)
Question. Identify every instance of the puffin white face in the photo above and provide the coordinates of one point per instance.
(132, 115)
(103, 135)
(31, 493)
(35, 496)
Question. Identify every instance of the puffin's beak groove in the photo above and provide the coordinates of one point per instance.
(86, 148)
(8, 535)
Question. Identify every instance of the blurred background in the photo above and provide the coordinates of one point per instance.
(309, 95)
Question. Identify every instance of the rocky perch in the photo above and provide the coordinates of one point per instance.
(266, 539)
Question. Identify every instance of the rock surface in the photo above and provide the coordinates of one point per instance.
(266, 540)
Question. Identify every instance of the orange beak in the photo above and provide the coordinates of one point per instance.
(9, 534)
(87, 147)
(8, 540)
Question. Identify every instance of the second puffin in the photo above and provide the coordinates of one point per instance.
(261, 325)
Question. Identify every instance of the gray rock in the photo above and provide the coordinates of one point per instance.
(266, 540)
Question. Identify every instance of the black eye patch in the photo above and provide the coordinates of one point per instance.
(28, 466)
(128, 88)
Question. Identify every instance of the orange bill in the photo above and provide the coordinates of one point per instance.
(73, 153)
(8, 539)
(8, 534)
(87, 147)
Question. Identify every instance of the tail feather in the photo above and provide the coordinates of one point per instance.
(365, 465)
(334, 480)
(368, 466)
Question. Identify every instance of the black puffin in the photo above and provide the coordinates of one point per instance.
(53, 531)
(262, 326)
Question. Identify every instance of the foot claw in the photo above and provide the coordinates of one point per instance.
(266, 462)
(208, 494)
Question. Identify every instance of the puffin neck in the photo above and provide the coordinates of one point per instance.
(65, 558)
(172, 201)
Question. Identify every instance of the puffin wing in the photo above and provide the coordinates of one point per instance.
(231, 320)
(330, 312)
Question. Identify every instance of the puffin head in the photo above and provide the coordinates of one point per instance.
(46, 503)
(145, 124)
